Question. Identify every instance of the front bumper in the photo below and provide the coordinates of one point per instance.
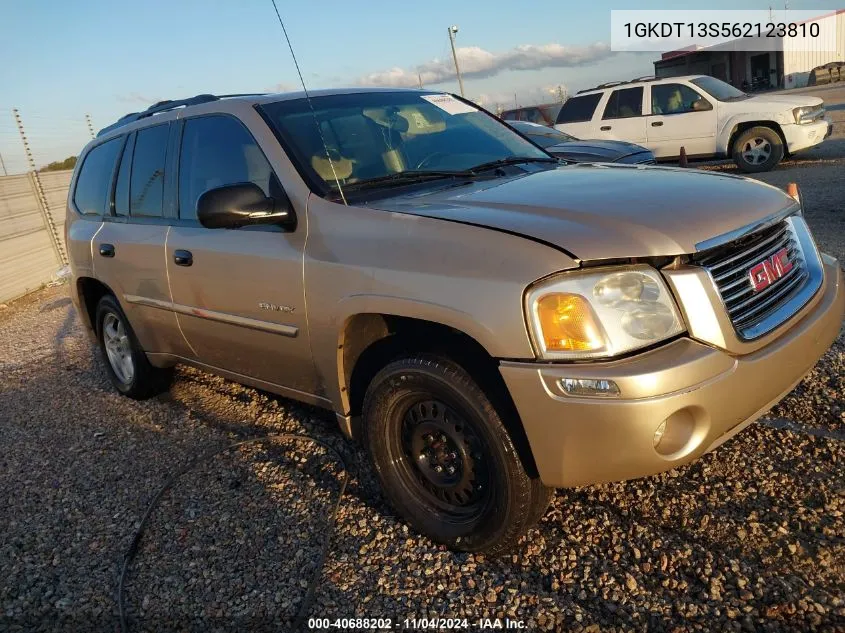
(804, 136)
(705, 394)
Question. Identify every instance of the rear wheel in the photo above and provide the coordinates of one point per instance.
(757, 149)
(126, 363)
(444, 458)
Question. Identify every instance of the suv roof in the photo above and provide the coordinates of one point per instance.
(251, 98)
(638, 80)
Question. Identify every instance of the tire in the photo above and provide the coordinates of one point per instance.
(757, 149)
(126, 363)
(482, 499)
(541, 499)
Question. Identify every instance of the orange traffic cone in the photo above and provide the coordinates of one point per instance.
(682, 161)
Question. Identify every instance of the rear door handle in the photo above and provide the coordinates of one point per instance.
(107, 250)
(656, 123)
(604, 128)
(183, 258)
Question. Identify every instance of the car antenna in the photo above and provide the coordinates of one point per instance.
(310, 105)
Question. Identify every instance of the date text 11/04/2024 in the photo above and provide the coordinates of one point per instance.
(416, 624)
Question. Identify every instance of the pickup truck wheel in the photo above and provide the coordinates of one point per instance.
(126, 363)
(757, 149)
(444, 458)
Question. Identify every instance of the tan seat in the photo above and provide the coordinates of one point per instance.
(342, 167)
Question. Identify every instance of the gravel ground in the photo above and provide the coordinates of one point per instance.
(750, 537)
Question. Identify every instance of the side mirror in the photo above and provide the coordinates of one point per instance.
(242, 204)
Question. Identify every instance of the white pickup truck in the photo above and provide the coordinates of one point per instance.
(706, 116)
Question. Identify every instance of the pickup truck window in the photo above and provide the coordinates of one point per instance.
(372, 135)
(579, 109)
(624, 103)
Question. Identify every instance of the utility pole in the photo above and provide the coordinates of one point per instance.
(90, 127)
(452, 30)
(5, 173)
(419, 77)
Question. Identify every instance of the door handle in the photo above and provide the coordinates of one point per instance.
(604, 128)
(656, 123)
(183, 258)
(107, 250)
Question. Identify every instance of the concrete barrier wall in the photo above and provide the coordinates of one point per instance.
(28, 257)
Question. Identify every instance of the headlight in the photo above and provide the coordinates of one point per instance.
(808, 114)
(600, 313)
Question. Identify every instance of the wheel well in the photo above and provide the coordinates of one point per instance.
(739, 128)
(371, 341)
(90, 292)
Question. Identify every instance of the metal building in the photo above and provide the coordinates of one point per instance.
(783, 67)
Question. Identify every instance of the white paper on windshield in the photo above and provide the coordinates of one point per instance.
(449, 104)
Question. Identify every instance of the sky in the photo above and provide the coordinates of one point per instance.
(63, 60)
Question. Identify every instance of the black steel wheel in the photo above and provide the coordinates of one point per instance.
(445, 459)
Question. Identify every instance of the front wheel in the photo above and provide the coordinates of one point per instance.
(758, 149)
(444, 458)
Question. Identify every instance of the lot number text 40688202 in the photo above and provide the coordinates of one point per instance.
(416, 624)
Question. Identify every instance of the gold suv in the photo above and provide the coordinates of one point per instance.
(490, 322)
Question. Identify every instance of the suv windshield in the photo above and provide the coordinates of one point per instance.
(718, 89)
(371, 136)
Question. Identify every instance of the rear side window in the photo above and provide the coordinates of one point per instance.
(217, 151)
(121, 190)
(146, 184)
(624, 103)
(579, 109)
(94, 180)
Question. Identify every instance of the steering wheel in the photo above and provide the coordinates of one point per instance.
(428, 158)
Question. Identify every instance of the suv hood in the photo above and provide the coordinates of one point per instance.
(782, 101)
(604, 211)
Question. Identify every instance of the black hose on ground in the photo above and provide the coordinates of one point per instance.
(311, 593)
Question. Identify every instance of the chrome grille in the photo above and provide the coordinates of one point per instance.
(730, 266)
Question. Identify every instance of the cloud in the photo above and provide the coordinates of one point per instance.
(284, 87)
(477, 63)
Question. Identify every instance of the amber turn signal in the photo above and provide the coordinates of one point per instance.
(568, 323)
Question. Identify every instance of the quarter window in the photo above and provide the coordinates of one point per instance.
(146, 185)
(624, 103)
(675, 99)
(95, 177)
(217, 151)
(579, 109)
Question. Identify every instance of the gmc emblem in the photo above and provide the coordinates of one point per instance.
(770, 270)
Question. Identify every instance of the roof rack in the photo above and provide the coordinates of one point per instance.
(611, 84)
(169, 104)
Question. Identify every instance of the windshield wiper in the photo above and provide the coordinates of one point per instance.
(412, 176)
(405, 178)
(512, 160)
